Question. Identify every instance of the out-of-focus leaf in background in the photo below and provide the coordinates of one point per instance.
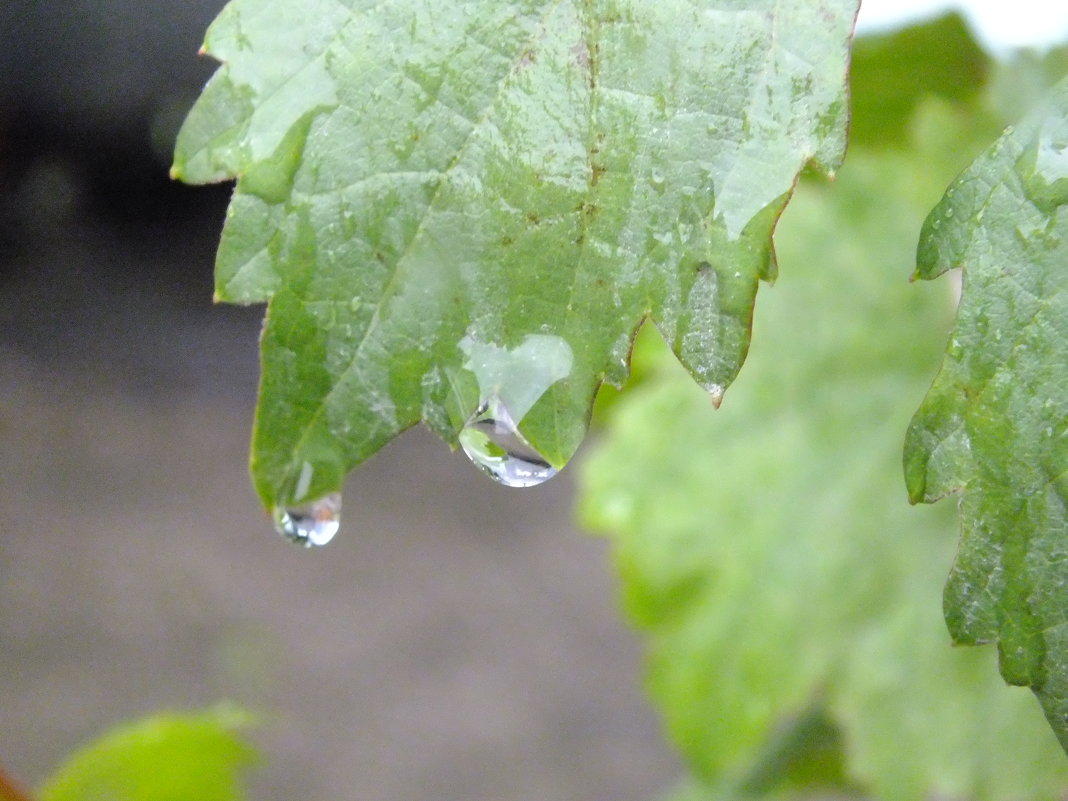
(995, 424)
(414, 176)
(891, 75)
(767, 551)
(168, 757)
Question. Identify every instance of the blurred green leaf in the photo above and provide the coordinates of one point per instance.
(1022, 82)
(417, 175)
(995, 424)
(766, 549)
(168, 757)
(891, 74)
(805, 752)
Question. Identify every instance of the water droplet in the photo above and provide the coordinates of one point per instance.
(1043, 165)
(517, 377)
(715, 392)
(309, 524)
(491, 440)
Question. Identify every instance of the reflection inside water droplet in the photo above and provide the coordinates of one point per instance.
(491, 440)
(715, 392)
(309, 524)
(510, 383)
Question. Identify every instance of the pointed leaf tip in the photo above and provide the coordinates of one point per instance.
(991, 424)
(412, 179)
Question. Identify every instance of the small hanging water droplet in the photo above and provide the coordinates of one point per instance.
(309, 524)
(491, 440)
(715, 392)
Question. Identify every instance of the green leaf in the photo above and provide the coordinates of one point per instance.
(994, 426)
(893, 73)
(414, 177)
(170, 757)
(765, 549)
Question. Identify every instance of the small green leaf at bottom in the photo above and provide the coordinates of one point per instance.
(168, 757)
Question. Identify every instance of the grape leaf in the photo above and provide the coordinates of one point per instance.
(994, 426)
(765, 549)
(168, 757)
(414, 175)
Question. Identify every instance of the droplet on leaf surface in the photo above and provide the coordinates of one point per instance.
(310, 524)
(491, 439)
(510, 381)
(715, 392)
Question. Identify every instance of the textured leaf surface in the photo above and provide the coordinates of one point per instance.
(995, 424)
(163, 758)
(766, 549)
(417, 174)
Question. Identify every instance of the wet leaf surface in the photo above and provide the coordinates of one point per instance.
(993, 427)
(766, 551)
(415, 175)
(163, 758)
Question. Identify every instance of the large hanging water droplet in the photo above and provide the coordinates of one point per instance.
(491, 440)
(309, 524)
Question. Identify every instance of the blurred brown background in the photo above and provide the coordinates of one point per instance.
(457, 640)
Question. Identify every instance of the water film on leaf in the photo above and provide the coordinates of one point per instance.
(415, 176)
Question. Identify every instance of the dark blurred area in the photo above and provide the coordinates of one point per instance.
(96, 240)
(91, 96)
(458, 640)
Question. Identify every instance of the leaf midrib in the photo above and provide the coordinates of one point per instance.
(427, 213)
